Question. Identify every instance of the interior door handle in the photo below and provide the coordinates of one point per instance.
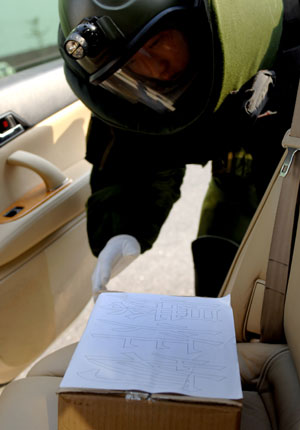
(50, 174)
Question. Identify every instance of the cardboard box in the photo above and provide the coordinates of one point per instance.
(152, 362)
(88, 411)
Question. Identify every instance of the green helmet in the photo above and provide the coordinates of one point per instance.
(168, 61)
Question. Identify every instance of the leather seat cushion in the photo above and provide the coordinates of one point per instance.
(30, 404)
(254, 415)
(36, 401)
(54, 364)
(252, 358)
(273, 385)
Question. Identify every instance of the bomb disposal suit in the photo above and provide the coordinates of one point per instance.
(177, 82)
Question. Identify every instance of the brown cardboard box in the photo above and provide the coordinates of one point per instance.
(137, 349)
(90, 411)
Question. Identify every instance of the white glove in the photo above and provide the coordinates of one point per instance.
(117, 254)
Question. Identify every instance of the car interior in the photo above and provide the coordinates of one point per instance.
(44, 188)
(45, 184)
(267, 334)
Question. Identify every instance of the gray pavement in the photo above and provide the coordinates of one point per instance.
(165, 269)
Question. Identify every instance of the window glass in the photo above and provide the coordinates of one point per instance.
(28, 31)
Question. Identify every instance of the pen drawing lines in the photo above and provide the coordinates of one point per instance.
(180, 373)
(164, 311)
(162, 343)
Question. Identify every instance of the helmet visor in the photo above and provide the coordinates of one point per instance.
(158, 73)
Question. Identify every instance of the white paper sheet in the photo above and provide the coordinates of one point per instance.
(158, 344)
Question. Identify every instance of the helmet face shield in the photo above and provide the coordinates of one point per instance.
(162, 57)
(158, 73)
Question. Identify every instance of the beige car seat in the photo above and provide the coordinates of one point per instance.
(269, 371)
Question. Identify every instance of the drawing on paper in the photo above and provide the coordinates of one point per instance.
(157, 344)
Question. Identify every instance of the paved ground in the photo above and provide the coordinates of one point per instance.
(167, 268)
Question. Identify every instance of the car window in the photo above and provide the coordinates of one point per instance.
(28, 33)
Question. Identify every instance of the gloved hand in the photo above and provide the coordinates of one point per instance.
(117, 254)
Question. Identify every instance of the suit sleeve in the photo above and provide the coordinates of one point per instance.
(133, 187)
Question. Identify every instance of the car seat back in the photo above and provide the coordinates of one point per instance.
(270, 362)
(246, 279)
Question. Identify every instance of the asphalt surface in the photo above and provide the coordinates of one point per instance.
(165, 269)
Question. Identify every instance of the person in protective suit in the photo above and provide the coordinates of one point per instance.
(172, 83)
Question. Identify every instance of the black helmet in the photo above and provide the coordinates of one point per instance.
(145, 51)
(177, 57)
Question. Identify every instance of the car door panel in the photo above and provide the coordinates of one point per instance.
(57, 142)
(36, 93)
(45, 260)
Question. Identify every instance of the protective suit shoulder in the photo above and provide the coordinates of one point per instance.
(241, 27)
